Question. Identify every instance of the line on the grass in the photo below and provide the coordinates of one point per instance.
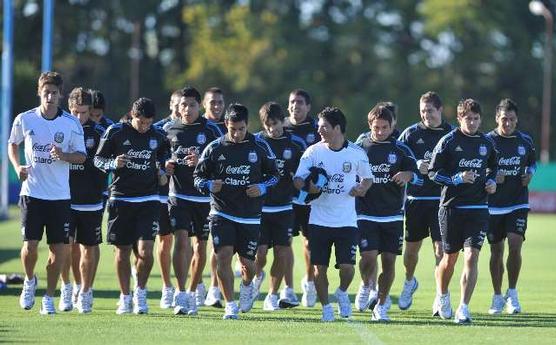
(367, 336)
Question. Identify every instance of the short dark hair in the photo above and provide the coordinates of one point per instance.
(143, 107)
(390, 106)
(53, 78)
(237, 112)
(192, 92)
(431, 97)
(380, 111)
(334, 116)
(79, 96)
(271, 111)
(98, 99)
(466, 105)
(506, 105)
(213, 90)
(302, 93)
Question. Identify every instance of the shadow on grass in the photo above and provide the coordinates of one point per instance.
(8, 254)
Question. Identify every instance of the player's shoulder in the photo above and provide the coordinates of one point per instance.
(525, 137)
(71, 121)
(261, 142)
(406, 133)
(212, 127)
(298, 141)
(402, 147)
(356, 149)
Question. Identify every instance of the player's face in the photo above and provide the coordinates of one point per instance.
(327, 132)
(380, 129)
(469, 122)
(506, 121)
(50, 96)
(430, 115)
(297, 108)
(82, 112)
(96, 114)
(189, 109)
(174, 106)
(274, 128)
(214, 105)
(236, 130)
(141, 123)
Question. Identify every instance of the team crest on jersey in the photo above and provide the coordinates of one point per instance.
(392, 158)
(310, 138)
(201, 138)
(90, 143)
(482, 150)
(287, 154)
(521, 150)
(59, 137)
(153, 144)
(346, 167)
(252, 157)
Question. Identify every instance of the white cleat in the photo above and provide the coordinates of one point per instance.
(181, 303)
(192, 303)
(462, 316)
(167, 297)
(288, 299)
(27, 297)
(362, 299)
(257, 282)
(66, 297)
(85, 302)
(497, 306)
(406, 297)
(125, 305)
(309, 297)
(75, 293)
(373, 299)
(271, 302)
(231, 311)
(344, 304)
(47, 306)
(213, 297)
(200, 294)
(140, 305)
(246, 294)
(327, 313)
(445, 307)
(380, 313)
(512, 302)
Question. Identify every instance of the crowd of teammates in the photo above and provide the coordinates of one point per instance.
(192, 177)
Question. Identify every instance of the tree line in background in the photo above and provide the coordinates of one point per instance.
(350, 54)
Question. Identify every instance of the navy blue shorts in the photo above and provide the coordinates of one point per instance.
(500, 225)
(462, 228)
(322, 238)
(382, 236)
(85, 227)
(276, 229)
(421, 220)
(244, 238)
(129, 222)
(38, 214)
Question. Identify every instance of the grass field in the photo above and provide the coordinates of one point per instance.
(536, 325)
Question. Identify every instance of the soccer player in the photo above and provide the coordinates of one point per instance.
(300, 124)
(464, 163)
(52, 139)
(165, 239)
(421, 207)
(188, 208)
(98, 108)
(135, 151)
(277, 217)
(509, 206)
(236, 170)
(213, 103)
(333, 220)
(379, 211)
(87, 183)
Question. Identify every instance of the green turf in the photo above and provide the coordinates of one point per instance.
(536, 325)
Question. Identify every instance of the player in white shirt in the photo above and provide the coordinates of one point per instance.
(53, 139)
(333, 219)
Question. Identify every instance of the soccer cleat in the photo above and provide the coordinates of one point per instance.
(47, 305)
(66, 296)
(327, 313)
(125, 305)
(85, 302)
(257, 282)
(213, 297)
(497, 306)
(462, 316)
(309, 297)
(75, 293)
(436, 306)
(512, 302)
(167, 297)
(344, 304)
(288, 299)
(231, 312)
(140, 305)
(406, 297)
(246, 294)
(192, 303)
(200, 294)
(27, 297)
(271, 302)
(362, 299)
(373, 299)
(380, 313)
(445, 308)
(181, 303)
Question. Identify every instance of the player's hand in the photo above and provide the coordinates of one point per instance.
(23, 172)
(170, 167)
(313, 189)
(358, 190)
(402, 178)
(253, 191)
(468, 176)
(490, 187)
(423, 166)
(500, 177)
(121, 161)
(191, 159)
(525, 179)
(216, 186)
(56, 153)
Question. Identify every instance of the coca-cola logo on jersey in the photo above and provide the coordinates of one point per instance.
(516, 160)
(470, 163)
(339, 178)
(143, 154)
(381, 168)
(42, 148)
(428, 155)
(238, 170)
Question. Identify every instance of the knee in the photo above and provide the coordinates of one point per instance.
(280, 253)
(30, 247)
